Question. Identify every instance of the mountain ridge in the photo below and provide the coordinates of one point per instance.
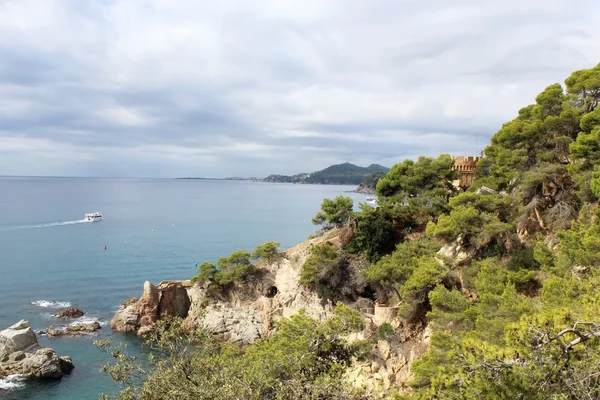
(337, 174)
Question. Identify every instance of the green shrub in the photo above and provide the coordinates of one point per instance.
(334, 212)
(322, 257)
(227, 270)
(266, 251)
(385, 331)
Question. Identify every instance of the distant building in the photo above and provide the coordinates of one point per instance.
(466, 168)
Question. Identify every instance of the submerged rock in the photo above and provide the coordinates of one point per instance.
(20, 353)
(71, 312)
(73, 330)
(89, 327)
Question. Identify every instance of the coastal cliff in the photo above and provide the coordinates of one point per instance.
(248, 311)
(243, 313)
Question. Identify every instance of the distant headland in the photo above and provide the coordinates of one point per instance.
(339, 174)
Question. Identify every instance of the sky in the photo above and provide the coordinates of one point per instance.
(171, 88)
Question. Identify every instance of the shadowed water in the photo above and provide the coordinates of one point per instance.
(152, 229)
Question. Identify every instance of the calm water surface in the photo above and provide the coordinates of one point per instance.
(153, 230)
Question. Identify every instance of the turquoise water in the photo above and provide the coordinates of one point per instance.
(153, 230)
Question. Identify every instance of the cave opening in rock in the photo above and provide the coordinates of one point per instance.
(272, 291)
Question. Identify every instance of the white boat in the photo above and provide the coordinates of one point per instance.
(93, 217)
(372, 201)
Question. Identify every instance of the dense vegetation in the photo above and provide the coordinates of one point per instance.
(235, 267)
(505, 274)
(340, 174)
(304, 359)
(512, 297)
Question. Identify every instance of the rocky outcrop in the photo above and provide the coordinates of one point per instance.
(456, 252)
(237, 324)
(126, 320)
(147, 305)
(366, 188)
(246, 312)
(169, 298)
(390, 362)
(73, 330)
(129, 302)
(20, 353)
(243, 313)
(71, 312)
(89, 327)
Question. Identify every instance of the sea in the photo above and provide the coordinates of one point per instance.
(153, 229)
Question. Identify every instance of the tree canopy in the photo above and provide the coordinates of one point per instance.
(334, 212)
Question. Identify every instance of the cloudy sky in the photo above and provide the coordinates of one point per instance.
(167, 88)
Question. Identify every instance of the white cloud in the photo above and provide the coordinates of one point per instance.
(249, 88)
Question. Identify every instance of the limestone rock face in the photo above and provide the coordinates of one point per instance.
(242, 313)
(390, 364)
(19, 337)
(456, 252)
(238, 324)
(21, 354)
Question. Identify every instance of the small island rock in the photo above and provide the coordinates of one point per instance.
(71, 312)
(90, 327)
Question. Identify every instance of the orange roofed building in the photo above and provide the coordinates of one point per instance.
(466, 169)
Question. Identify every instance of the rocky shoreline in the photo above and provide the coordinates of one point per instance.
(21, 354)
(247, 312)
(244, 313)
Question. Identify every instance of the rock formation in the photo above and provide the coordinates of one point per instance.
(246, 312)
(20, 353)
(174, 300)
(242, 314)
(73, 330)
(71, 312)
(390, 361)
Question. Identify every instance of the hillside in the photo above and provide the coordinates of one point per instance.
(369, 185)
(438, 293)
(340, 174)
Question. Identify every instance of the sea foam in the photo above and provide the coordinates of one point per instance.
(51, 304)
(12, 382)
(86, 320)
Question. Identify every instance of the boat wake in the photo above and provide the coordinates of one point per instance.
(12, 382)
(46, 225)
